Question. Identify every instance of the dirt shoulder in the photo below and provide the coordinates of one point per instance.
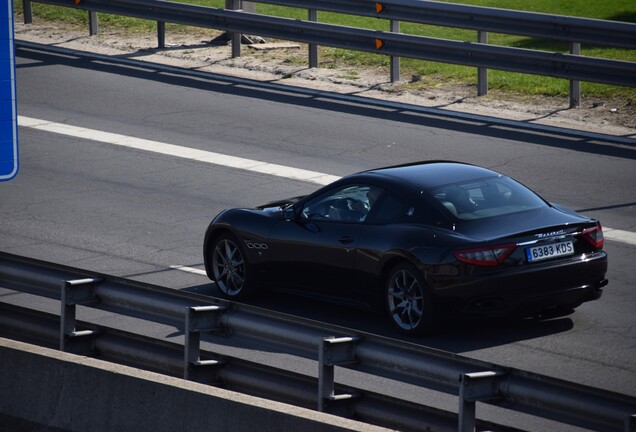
(286, 63)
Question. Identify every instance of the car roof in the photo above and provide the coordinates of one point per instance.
(428, 175)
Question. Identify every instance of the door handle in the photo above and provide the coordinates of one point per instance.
(345, 239)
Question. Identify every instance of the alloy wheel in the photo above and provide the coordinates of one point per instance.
(405, 300)
(229, 267)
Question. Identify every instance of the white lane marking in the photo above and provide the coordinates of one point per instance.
(619, 236)
(178, 151)
(189, 270)
(221, 159)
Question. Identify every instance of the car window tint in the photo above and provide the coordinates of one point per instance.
(388, 209)
(349, 203)
(486, 198)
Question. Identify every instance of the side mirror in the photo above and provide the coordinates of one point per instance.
(289, 213)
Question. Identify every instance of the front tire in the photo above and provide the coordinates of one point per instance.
(408, 302)
(230, 268)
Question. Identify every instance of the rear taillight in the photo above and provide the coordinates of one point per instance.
(594, 236)
(486, 256)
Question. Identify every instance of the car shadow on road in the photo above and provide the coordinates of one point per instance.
(457, 336)
(466, 336)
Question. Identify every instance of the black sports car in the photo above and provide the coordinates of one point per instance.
(425, 241)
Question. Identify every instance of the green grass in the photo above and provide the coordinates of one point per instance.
(431, 72)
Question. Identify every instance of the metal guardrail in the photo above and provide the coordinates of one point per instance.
(568, 66)
(227, 372)
(473, 380)
(532, 24)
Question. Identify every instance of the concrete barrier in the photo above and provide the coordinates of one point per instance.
(44, 389)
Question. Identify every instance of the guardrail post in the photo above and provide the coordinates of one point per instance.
(333, 352)
(74, 292)
(575, 86)
(161, 34)
(198, 319)
(482, 73)
(27, 10)
(395, 61)
(473, 387)
(234, 37)
(93, 23)
(313, 48)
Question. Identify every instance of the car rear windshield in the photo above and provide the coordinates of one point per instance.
(488, 197)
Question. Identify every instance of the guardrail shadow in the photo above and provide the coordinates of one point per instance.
(607, 145)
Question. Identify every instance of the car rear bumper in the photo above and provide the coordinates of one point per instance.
(534, 305)
(527, 292)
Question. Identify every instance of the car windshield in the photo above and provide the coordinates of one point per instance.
(484, 198)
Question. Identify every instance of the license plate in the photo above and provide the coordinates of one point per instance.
(548, 251)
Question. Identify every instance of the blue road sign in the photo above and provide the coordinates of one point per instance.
(8, 101)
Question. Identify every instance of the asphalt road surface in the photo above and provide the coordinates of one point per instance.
(86, 202)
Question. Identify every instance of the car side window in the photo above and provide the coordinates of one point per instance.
(389, 209)
(349, 203)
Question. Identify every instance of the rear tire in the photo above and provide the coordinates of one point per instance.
(408, 302)
(230, 268)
